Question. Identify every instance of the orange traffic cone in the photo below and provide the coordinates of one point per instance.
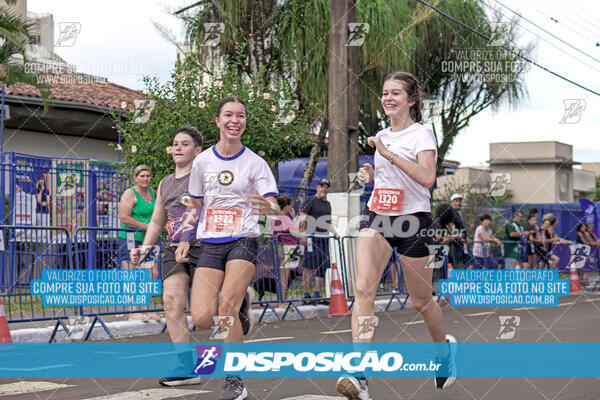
(585, 280)
(575, 286)
(517, 265)
(4, 331)
(448, 269)
(337, 301)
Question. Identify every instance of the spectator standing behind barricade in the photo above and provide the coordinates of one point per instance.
(515, 234)
(445, 231)
(288, 249)
(482, 241)
(135, 211)
(534, 239)
(459, 254)
(315, 219)
(549, 224)
(592, 240)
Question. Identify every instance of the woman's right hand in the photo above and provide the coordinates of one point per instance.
(181, 252)
(365, 174)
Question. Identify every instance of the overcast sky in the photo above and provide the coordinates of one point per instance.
(118, 41)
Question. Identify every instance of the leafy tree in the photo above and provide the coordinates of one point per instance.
(15, 36)
(289, 38)
(275, 130)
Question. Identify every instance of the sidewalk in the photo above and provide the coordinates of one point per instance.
(120, 327)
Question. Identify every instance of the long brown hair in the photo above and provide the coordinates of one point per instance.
(413, 90)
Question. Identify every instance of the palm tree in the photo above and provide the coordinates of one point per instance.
(14, 39)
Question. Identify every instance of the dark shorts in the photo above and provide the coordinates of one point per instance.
(123, 251)
(216, 256)
(409, 234)
(318, 258)
(170, 266)
(479, 262)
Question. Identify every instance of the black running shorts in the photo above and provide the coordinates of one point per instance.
(216, 255)
(410, 234)
(170, 266)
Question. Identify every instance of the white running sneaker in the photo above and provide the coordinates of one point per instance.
(446, 373)
(353, 388)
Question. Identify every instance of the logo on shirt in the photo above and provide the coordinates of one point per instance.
(226, 178)
(184, 199)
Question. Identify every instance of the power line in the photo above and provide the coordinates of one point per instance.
(549, 33)
(472, 30)
(556, 21)
(562, 14)
(550, 43)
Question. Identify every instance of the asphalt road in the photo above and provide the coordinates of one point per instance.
(576, 319)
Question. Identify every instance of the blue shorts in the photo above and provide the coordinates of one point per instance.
(123, 251)
(318, 258)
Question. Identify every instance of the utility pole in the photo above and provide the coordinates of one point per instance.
(338, 149)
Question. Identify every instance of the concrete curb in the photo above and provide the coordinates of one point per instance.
(123, 329)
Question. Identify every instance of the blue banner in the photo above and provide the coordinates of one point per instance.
(590, 215)
(504, 287)
(95, 287)
(306, 359)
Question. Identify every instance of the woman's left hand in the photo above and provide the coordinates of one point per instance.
(375, 141)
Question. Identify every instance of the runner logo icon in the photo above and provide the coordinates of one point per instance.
(207, 359)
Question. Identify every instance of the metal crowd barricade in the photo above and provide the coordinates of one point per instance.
(97, 248)
(26, 251)
(265, 280)
(317, 255)
(392, 280)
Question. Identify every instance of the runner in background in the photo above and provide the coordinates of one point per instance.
(405, 165)
(514, 234)
(135, 211)
(482, 241)
(171, 201)
(534, 239)
(229, 185)
(549, 224)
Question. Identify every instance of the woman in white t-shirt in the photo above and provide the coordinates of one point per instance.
(229, 185)
(398, 215)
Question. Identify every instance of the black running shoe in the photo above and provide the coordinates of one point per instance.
(446, 373)
(172, 381)
(245, 319)
(233, 389)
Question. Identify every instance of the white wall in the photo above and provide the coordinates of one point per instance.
(49, 145)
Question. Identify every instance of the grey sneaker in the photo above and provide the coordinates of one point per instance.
(353, 388)
(233, 389)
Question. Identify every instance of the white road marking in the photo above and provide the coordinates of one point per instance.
(150, 394)
(43, 367)
(479, 314)
(268, 339)
(566, 304)
(525, 308)
(413, 322)
(314, 397)
(16, 388)
(150, 355)
(335, 332)
(590, 300)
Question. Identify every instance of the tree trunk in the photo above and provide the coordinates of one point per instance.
(315, 154)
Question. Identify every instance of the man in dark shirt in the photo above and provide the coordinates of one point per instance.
(459, 255)
(315, 219)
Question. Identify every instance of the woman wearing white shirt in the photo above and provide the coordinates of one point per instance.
(399, 215)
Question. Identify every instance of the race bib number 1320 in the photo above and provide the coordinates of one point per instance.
(387, 200)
